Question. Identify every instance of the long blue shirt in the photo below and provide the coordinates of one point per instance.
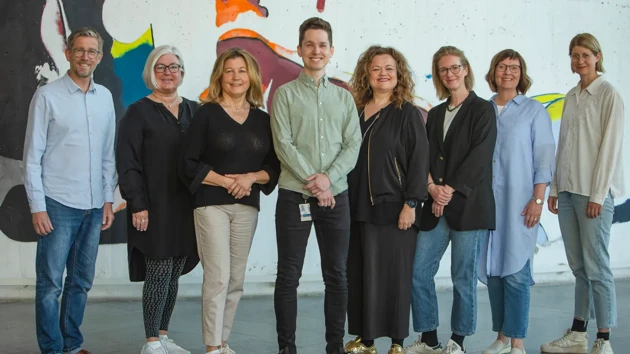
(69, 146)
(524, 155)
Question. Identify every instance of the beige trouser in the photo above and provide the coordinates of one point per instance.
(224, 238)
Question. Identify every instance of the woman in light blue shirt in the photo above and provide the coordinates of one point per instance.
(523, 165)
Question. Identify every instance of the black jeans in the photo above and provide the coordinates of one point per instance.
(332, 227)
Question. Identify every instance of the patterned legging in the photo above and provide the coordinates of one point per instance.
(160, 292)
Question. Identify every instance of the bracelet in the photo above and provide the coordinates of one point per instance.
(430, 183)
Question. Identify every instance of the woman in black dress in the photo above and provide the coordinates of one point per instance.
(160, 229)
(386, 190)
(228, 160)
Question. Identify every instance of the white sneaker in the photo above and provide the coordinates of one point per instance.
(453, 348)
(517, 351)
(601, 347)
(226, 350)
(418, 347)
(570, 342)
(498, 347)
(153, 349)
(171, 347)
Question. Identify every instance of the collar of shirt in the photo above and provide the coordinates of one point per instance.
(593, 87)
(518, 100)
(310, 81)
(73, 87)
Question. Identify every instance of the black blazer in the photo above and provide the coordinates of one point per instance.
(463, 160)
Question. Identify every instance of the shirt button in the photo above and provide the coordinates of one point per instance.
(440, 179)
(322, 137)
(322, 154)
(320, 103)
(441, 157)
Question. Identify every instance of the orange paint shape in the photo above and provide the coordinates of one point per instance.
(245, 33)
(228, 10)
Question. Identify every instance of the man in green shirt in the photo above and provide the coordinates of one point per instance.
(317, 138)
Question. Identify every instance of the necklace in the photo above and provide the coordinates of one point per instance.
(448, 108)
(244, 106)
(168, 105)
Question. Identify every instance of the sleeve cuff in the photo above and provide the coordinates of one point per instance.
(196, 183)
(462, 188)
(598, 198)
(38, 207)
(542, 177)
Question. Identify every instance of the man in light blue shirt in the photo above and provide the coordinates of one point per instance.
(70, 178)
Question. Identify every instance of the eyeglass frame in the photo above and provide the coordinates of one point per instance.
(450, 68)
(510, 68)
(179, 68)
(585, 57)
(79, 52)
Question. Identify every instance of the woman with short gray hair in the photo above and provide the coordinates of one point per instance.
(163, 247)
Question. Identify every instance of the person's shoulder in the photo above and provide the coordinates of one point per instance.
(259, 113)
(208, 107)
(607, 88)
(102, 90)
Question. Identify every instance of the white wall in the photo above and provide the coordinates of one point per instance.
(539, 30)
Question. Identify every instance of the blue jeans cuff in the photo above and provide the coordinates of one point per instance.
(73, 350)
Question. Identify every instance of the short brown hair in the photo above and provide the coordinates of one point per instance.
(360, 81)
(591, 43)
(315, 23)
(524, 83)
(85, 32)
(254, 93)
(469, 81)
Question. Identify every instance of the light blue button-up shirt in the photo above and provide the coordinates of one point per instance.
(69, 146)
(524, 155)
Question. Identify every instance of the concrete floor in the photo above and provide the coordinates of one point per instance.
(116, 326)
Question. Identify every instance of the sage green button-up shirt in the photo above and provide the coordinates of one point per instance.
(315, 130)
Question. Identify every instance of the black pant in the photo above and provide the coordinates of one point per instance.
(332, 227)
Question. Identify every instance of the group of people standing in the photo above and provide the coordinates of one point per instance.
(385, 192)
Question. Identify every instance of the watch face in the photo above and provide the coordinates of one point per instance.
(411, 203)
(539, 201)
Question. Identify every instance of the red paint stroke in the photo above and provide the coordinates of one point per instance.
(320, 5)
(228, 10)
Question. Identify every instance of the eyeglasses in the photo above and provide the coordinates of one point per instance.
(455, 69)
(173, 68)
(78, 53)
(512, 68)
(585, 57)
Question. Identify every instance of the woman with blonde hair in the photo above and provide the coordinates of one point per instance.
(582, 194)
(460, 210)
(227, 161)
(386, 190)
(160, 228)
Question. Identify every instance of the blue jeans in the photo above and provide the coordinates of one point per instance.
(430, 248)
(73, 244)
(586, 244)
(509, 302)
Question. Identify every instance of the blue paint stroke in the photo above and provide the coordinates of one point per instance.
(129, 68)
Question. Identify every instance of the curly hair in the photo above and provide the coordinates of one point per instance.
(360, 81)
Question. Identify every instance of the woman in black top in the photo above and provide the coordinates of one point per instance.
(462, 132)
(386, 189)
(228, 159)
(160, 229)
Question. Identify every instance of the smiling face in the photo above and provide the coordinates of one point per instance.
(507, 74)
(235, 80)
(383, 73)
(453, 81)
(167, 81)
(81, 65)
(584, 61)
(315, 51)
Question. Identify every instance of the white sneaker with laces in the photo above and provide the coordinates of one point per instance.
(226, 350)
(150, 348)
(601, 346)
(418, 347)
(171, 347)
(453, 348)
(570, 342)
(498, 347)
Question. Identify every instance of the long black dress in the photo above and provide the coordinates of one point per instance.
(380, 258)
(147, 157)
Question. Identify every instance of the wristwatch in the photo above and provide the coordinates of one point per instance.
(538, 201)
(412, 203)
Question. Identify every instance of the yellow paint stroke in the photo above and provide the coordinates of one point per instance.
(245, 33)
(119, 49)
(553, 103)
(228, 11)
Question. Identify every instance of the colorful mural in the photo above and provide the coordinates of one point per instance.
(34, 56)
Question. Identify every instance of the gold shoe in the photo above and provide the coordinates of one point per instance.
(395, 349)
(356, 347)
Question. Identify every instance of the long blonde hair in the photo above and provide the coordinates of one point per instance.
(254, 93)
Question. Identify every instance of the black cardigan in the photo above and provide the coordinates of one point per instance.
(463, 160)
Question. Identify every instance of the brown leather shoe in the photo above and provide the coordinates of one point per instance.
(83, 351)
